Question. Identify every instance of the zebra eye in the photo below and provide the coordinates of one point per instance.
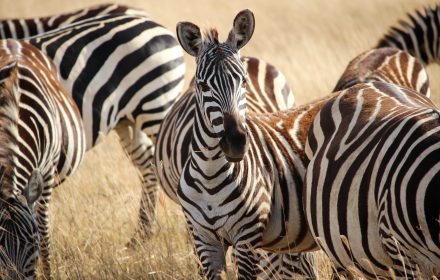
(203, 86)
(244, 84)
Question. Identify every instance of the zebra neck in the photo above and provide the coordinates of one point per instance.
(205, 144)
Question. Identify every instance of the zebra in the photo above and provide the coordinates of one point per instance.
(124, 72)
(420, 37)
(389, 65)
(226, 164)
(374, 151)
(287, 265)
(20, 28)
(266, 91)
(43, 142)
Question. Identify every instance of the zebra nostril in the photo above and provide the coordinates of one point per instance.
(234, 144)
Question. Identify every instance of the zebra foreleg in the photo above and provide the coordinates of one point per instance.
(287, 265)
(211, 254)
(246, 260)
(339, 273)
(307, 264)
(42, 216)
(140, 149)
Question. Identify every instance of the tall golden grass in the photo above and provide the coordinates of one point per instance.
(94, 212)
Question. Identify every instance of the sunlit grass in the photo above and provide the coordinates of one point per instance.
(94, 213)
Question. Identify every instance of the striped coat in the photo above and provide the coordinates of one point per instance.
(267, 91)
(419, 36)
(370, 178)
(240, 185)
(43, 142)
(123, 70)
(24, 28)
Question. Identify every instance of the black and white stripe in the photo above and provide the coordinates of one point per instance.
(266, 91)
(43, 141)
(124, 72)
(387, 65)
(372, 180)
(288, 265)
(233, 195)
(419, 37)
(20, 28)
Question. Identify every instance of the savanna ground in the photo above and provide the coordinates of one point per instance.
(94, 212)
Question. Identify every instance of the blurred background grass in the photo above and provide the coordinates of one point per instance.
(94, 212)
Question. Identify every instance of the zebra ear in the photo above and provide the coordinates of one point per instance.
(34, 188)
(190, 37)
(242, 30)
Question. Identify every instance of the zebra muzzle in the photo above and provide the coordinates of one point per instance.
(234, 142)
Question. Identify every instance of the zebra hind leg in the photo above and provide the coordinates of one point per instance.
(140, 149)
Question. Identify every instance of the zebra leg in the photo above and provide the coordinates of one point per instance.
(211, 254)
(307, 264)
(404, 266)
(140, 148)
(341, 273)
(246, 259)
(42, 217)
(287, 265)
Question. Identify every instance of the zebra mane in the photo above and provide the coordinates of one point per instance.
(210, 35)
(9, 112)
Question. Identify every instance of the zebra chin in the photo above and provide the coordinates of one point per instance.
(234, 159)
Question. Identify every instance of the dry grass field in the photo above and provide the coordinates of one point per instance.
(94, 213)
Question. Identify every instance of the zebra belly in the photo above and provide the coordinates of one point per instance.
(286, 230)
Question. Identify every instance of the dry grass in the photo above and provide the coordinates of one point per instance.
(94, 213)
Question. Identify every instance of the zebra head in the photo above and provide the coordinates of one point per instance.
(19, 237)
(221, 80)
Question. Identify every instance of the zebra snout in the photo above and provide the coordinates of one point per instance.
(234, 142)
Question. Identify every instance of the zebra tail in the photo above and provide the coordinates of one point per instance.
(419, 35)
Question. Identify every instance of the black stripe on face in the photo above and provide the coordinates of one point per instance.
(220, 76)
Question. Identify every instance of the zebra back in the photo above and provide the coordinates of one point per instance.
(267, 88)
(388, 65)
(25, 28)
(117, 67)
(419, 37)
